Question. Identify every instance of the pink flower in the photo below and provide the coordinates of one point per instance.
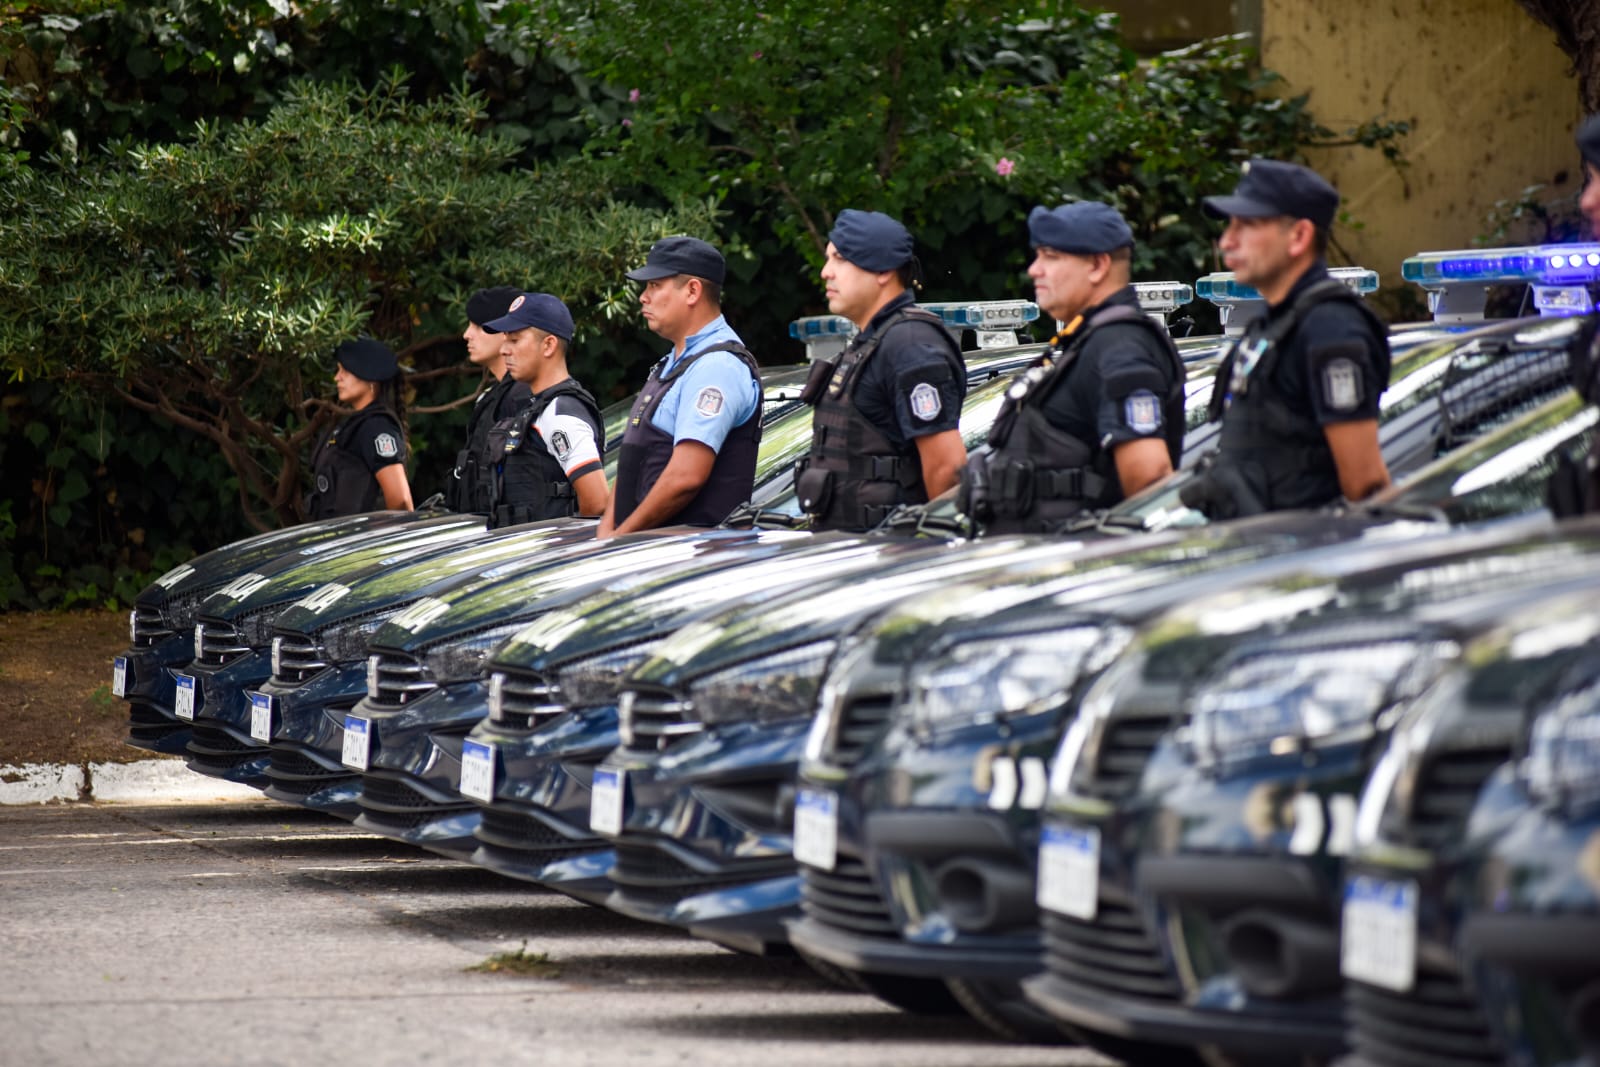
(633, 96)
(1004, 167)
(627, 122)
(755, 55)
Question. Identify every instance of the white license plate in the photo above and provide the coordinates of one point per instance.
(1378, 942)
(119, 677)
(357, 742)
(1069, 871)
(261, 717)
(605, 801)
(477, 771)
(183, 696)
(816, 828)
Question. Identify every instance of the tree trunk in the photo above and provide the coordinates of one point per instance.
(1576, 24)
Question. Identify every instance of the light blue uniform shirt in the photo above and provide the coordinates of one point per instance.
(713, 396)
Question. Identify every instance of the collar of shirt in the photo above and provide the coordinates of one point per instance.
(903, 300)
(1125, 295)
(1318, 271)
(717, 330)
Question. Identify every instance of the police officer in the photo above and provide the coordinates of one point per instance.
(1100, 414)
(1298, 393)
(1575, 486)
(359, 465)
(689, 450)
(547, 455)
(470, 482)
(886, 413)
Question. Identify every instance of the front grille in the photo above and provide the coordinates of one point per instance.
(1124, 751)
(1446, 789)
(298, 658)
(654, 718)
(394, 804)
(153, 625)
(647, 872)
(1114, 954)
(149, 725)
(149, 627)
(218, 644)
(861, 723)
(531, 839)
(397, 680)
(296, 773)
(846, 898)
(526, 698)
(213, 748)
(1436, 1024)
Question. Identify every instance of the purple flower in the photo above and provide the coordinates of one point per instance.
(633, 96)
(627, 122)
(755, 55)
(1004, 167)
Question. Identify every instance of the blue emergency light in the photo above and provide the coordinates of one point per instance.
(1458, 282)
(1238, 303)
(823, 335)
(994, 322)
(1159, 298)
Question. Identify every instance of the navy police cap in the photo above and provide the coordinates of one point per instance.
(871, 240)
(1588, 138)
(367, 359)
(672, 256)
(486, 305)
(539, 311)
(1268, 189)
(1083, 228)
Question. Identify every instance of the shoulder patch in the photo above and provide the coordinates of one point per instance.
(1142, 411)
(561, 445)
(1341, 384)
(709, 401)
(386, 445)
(926, 402)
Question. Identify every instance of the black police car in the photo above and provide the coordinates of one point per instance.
(1469, 910)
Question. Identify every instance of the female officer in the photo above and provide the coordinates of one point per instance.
(360, 465)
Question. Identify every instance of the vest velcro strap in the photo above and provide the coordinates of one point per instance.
(874, 514)
(1076, 483)
(885, 468)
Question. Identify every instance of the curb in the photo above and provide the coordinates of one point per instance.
(144, 782)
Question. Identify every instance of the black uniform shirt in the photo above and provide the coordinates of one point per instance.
(1329, 370)
(379, 441)
(1113, 392)
(910, 387)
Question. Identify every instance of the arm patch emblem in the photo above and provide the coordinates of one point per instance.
(926, 402)
(1341, 382)
(709, 402)
(1142, 412)
(386, 446)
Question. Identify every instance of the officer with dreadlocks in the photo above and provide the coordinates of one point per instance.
(1298, 393)
(547, 455)
(1099, 416)
(886, 413)
(470, 483)
(1575, 486)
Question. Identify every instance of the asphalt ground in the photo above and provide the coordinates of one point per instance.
(254, 933)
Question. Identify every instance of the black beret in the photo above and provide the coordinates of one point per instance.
(1268, 188)
(486, 305)
(538, 310)
(871, 240)
(1084, 228)
(672, 256)
(369, 360)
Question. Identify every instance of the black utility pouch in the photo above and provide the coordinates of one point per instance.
(817, 380)
(814, 487)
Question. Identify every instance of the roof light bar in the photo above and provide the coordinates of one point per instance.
(1238, 303)
(994, 321)
(823, 335)
(1458, 282)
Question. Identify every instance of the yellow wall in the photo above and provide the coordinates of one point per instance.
(1491, 99)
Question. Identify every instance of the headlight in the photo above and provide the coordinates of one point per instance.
(463, 659)
(979, 681)
(255, 629)
(347, 642)
(1563, 764)
(1279, 702)
(591, 683)
(776, 687)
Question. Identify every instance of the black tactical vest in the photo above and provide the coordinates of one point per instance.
(471, 484)
(527, 483)
(343, 484)
(1269, 457)
(646, 450)
(854, 476)
(1574, 487)
(1035, 475)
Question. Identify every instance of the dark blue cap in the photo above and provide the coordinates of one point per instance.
(1268, 189)
(1083, 228)
(369, 360)
(1588, 138)
(671, 256)
(486, 305)
(871, 240)
(539, 311)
